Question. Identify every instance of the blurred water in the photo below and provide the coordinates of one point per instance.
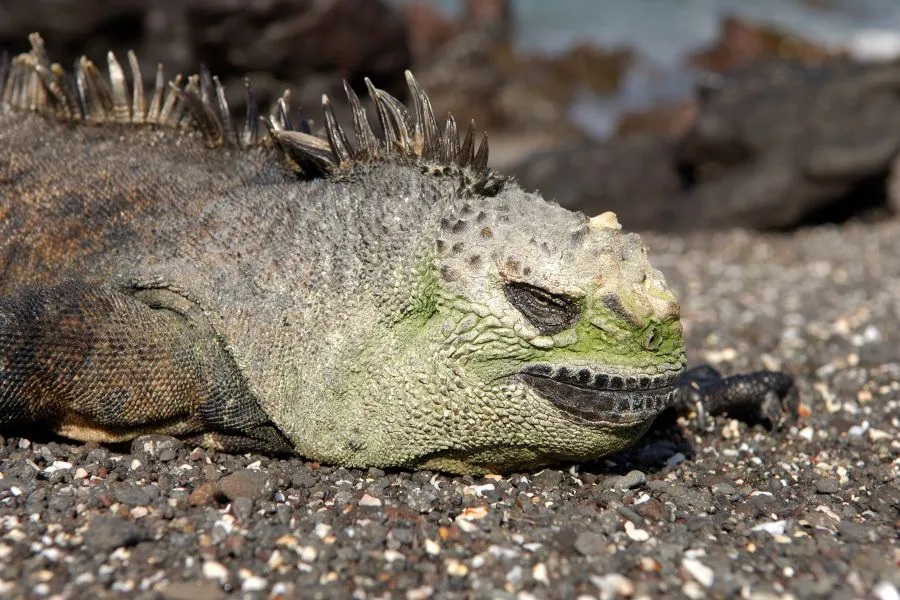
(664, 31)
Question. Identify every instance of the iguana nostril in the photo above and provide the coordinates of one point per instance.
(653, 339)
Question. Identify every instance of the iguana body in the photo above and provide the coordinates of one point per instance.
(392, 303)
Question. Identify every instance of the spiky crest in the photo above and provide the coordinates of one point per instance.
(31, 82)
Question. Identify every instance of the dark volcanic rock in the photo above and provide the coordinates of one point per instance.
(634, 177)
(295, 43)
(774, 146)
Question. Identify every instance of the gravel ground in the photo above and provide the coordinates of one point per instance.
(809, 512)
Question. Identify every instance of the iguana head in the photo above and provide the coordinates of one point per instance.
(550, 338)
(524, 333)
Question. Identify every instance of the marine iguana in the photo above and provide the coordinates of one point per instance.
(388, 302)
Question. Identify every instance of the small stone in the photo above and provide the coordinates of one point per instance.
(242, 508)
(613, 584)
(638, 535)
(632, 479)
(771, 527)
(456, 568)
(57, 465)
(308, 554)
(807, 433)
(202, 494)
(675, 459)
(107, 532)
(215, 570)
(548, 478)
(130, 494)
(590, 544)
(432, 547)
(611, 483)
(539, 573)
(393, 555)
(192, 591)
(853, 532)
(159, 447)
(828, 485)
(404, 535)
(703, 574)
(139, 512)
(885, 590)
(420, 593)
(368, 500)
(245, 483)
(723, 489)
(254, 583)
(658, 485)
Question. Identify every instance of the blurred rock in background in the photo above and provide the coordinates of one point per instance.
(781, 131)
(307, 45)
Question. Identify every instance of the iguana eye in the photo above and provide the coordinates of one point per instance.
(549, 313)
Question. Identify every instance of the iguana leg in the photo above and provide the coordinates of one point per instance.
(767, 395)
(95, 364)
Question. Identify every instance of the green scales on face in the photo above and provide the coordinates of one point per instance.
(385, 301)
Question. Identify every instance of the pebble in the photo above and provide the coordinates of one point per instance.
(368, 500)
(254, 584)
(156, 447)
(638, 535)
(703, 574)
(215, 570)
(242, 508)
(456, 568)
(202, 494)
(548, 478)
(772, 527)
(675, 460)
(633, 479)
(130, 494)
(246, 483)
(723, 489)
(192, 591)
(853, 532)
(105, 533)
(590, 544)
(828, 485)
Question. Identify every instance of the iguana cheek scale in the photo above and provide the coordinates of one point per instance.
(389, 301)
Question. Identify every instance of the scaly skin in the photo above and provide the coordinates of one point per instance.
(402, 306)
(442, 379)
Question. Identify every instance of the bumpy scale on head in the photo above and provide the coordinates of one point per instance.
(548, 337)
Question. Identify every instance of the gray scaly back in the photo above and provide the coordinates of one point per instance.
(31, 82)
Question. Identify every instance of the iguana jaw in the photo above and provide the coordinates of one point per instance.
(594, 398)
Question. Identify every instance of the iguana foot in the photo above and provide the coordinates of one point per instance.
(768, 396)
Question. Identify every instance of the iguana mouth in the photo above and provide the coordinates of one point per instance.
(597, 397)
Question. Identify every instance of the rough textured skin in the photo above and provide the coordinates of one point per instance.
(387, 314)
